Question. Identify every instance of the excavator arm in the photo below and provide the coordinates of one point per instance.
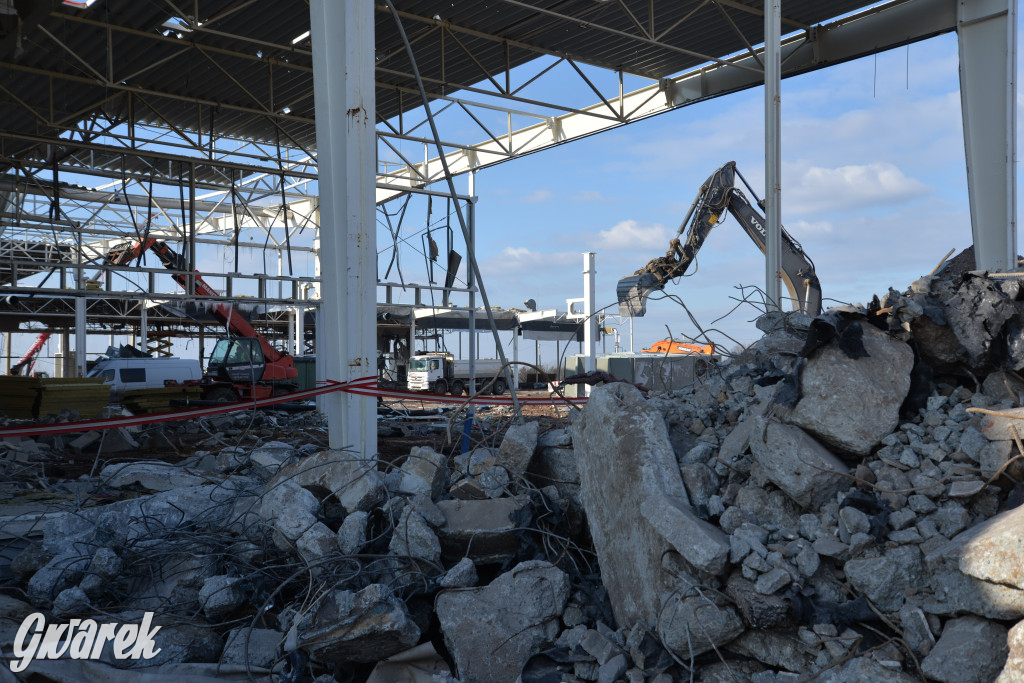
(717, 195)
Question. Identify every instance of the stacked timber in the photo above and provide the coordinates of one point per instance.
(33, 397)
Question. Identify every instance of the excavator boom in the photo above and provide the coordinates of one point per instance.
(717, 195)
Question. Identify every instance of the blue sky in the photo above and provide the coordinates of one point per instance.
(874, 187)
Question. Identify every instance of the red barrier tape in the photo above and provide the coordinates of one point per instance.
(442, 398)
(364, 386)
(154, 418)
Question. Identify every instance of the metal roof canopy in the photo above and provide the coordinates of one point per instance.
(243, 68)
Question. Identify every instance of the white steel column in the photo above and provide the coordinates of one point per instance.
(80, 338)
(987, 33)
(773, 150)
(590, 322)
(474, 340)
(342, 34)
(298, 328)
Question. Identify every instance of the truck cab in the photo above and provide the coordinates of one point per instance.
(429, 373)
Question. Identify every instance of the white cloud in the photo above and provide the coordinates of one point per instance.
(588, 196)
(843, 188)
(798, 228)
(538, 196)
(632, 235)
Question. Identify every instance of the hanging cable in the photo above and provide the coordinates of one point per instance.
(287, 236)
(234, 215)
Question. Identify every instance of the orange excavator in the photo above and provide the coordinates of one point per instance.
(671, 346)
(243, 366)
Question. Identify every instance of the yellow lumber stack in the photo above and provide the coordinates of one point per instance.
(33, 397)
(141, 401)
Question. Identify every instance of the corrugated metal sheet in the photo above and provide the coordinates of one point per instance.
(192, 70)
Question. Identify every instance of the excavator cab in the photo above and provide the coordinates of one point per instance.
(237, 360)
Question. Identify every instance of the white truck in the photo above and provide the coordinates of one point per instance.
(440, 373)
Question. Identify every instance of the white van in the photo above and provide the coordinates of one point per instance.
(125, 374)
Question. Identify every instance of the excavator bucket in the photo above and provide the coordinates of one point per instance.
(633, 292)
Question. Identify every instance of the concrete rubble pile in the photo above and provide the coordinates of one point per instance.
(840, 502)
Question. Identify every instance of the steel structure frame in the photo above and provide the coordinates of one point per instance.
(145, 145)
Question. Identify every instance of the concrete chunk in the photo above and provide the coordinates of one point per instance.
(851, 403)
(517, 447)
(424, 471)
(355, 482)
(155, 476)
(483, 529)
(796, 463)
(492, 631)
(413, 537)
(624, 455)
(357, 627)
(970, 650)
(700, 543)
(994, 550)
(256, 647)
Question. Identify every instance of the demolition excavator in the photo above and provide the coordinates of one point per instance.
(716, 196)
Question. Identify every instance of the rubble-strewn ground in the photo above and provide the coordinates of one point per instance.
(838, 503)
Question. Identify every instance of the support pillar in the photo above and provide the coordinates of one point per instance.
(590, 322)
(81, 341)
(773, 151)
(298, 329)
(987, 35)
(342, 33)
(7, 353)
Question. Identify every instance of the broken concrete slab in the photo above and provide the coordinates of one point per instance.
(700, 543)
(624, 454)
(290, 508)
(777, 649)
(424, 471)
(421, 664)
(993, 550)
(492, 631)
(792, 460)
(252, 647)
(886, 580)
(346, 626)
(317, 542)
(462, 575)
(355, 482)
(352, 532)
(970, 650)
(760, 611)
(851, 403)
(696, 624)
(154, 476)
(518, 446)
(482, 529)
(221, 595)
(413, 537)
